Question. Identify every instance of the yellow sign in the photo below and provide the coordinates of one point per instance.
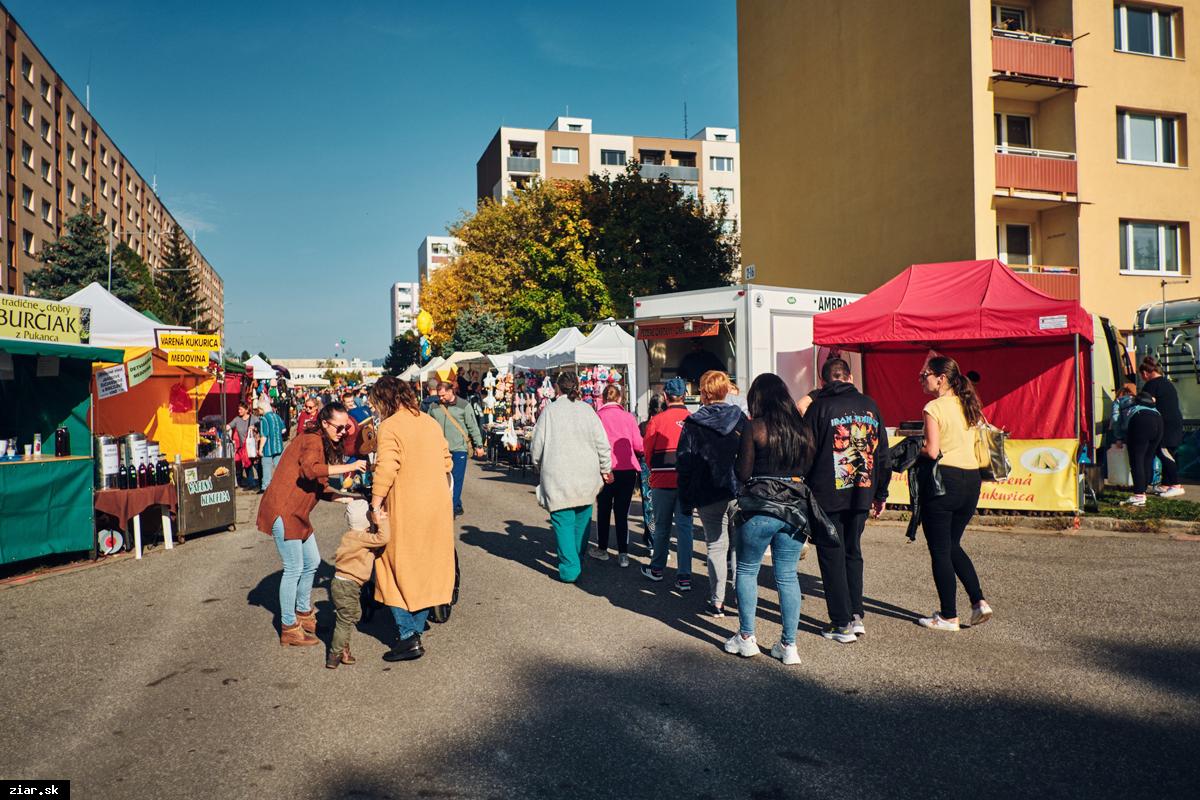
(1044, 477)
(187, 358)
(43, 321)
(175, 340)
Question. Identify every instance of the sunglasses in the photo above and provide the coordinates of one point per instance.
(923, 374)
(338, 428)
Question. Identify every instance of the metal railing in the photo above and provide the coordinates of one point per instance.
(1027, 36)
(524, 164)
(1036, 153)
(653, 171)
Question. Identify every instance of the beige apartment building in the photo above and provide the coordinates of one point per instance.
(57, 158)
(705, 166)
(1052, 134)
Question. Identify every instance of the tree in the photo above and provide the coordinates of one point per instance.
(77, 258)
(179, 283)
(263, 356)
(404, 352)
(244, 357)
(134, 269)
(477, 329)
(648, 238)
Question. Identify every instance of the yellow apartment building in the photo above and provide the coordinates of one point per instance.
(1052, 134)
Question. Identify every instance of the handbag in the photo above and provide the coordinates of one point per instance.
(251, 445)
(989, 449)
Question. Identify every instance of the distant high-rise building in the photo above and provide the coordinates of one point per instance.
(704, 167)
(59, 160)
(434, 252)
(405, 305)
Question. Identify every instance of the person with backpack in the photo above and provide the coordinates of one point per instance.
(1139, 428)
(661, 443)
(849, 476)
(706, 460)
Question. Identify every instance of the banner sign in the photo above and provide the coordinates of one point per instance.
(678, 330)
(1044, 477)
(179, 340)
(111, 381)
(187, 358)
(206, 495)
(43, 321)
(140, 368)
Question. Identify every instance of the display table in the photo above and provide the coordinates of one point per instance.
(45, 507)
(128, 504)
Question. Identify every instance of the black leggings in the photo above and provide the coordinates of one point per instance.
(944, 519)
(1142, 438)
(616, 496)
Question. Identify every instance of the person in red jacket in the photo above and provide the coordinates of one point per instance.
(661, 442)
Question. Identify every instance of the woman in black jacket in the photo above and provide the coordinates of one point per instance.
(1166, 401)
(705, 461)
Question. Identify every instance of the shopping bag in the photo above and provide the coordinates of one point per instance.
(251, 445)
(1117, 460)
(989, 449)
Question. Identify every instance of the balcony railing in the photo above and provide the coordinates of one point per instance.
(1024, 168)
(1061, 283)
(1032, 55)
(654, 171)
(524, 164)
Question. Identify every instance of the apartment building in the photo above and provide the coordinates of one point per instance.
(704, 166)
(57, 159)
(434, 252)
(1052, 134)
(405, 304)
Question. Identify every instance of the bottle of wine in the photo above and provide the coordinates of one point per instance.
(151, 473)
(122, 474)
(141, 476)
(131, 475)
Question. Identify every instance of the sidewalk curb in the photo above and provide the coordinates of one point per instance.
(1065, 526)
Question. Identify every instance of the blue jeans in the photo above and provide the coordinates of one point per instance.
(409, 622)
(571, 527)
(666, 512)
(268, 469)
(459, 471)
(753, 538)
(300, 562)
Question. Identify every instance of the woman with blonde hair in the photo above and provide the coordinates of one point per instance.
(415, 571)
(950, 437)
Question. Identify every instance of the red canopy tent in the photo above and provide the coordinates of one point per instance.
(1024, 345)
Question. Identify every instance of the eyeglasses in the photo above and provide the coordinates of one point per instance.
(338, 428)
(923, 374)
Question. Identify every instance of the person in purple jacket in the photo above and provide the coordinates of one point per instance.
(626, 441)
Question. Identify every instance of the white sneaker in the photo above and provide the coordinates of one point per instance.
(597, 553)
(980, 613)
(938, 623)
(1138, 500)
(856, 626)
(623, 560)
(1171, 491)
(786, 653)
(742, 647)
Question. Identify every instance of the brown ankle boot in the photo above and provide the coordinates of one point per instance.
(307, 620)
(332, 659)
(296, 636)
(346, 658)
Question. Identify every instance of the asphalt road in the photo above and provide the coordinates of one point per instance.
(164, 679)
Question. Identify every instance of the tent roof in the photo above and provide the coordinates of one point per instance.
(957, 301)
(556, 351)
(258, 364)
(606, 344)
(114, 323)
(29, 347)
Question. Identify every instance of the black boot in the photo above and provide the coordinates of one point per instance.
(405, 649)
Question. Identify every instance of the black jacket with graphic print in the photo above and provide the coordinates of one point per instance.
(851, 466)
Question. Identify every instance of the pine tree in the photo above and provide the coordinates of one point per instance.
(179, 284)
(78, 257)
(136, 271)
(478, 329)
(404, 352)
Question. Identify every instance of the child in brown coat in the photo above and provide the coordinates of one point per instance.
(353, 562)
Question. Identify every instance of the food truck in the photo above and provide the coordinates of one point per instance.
(746, 329)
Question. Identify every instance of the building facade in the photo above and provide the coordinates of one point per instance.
(706, 166)
(1052, 134)
(405, 305)
(434, 252)
(58, 159)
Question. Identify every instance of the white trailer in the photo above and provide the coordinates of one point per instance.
(751, 329)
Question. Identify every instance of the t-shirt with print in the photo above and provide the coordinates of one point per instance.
(956, 438)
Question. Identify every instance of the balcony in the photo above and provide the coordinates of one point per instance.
(655, 171)
(524, 164)
(1032, 56)
(1061, 283)
(1029, 170)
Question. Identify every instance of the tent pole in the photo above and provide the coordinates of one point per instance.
(1078, 399)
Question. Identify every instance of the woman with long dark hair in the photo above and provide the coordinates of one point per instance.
(776, 444)
(950, 438)
(301, 479)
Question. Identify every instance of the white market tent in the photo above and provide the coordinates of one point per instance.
(259, 369)
(610, 345)
(114, 323)
(409, 374)
(434, 365)
(503, 362)
(557, 351)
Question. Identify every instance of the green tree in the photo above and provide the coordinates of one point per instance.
(179, 283)
(478, 329)
(647, 238)
(78, 257)
(244, 357)
(403, 353)
(263, 356)
(135, 269)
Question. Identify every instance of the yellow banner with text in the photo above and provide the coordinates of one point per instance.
(37, 320)
(176, 340)
(188, 358)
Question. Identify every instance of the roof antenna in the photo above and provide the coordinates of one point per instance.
(87, 99)
(685, 129)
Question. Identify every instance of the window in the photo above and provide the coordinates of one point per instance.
(565, 155)
(1149, 247)
(71, 154)
(27, 69)
(27, 242)
(1013, 130)
(104, 155)
(1147, 138)
(70, 118)
(652, 157)
(728, 227)
(27, 198)
(87, 135)
(440, 249)
(719, 194)
(522, 150)
(1145, 30)
(683, 158)
(720, 137)
(1008, 18)
(87, 172)
(47, 91)
(45, 131)
(720, 163)
(46, 176)
(71, 191)
(612, 158)
(690, 191)
(46, 212)
(104, 187)
(27, 112)
(1014, 244)
(574, 126)
(26, 155)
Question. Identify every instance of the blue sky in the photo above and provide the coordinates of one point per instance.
(311, 146)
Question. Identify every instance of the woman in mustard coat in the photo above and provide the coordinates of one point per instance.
(415, 572)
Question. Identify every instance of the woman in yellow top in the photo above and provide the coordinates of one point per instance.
(950, 435)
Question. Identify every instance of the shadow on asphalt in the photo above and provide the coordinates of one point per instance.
(735, 728)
